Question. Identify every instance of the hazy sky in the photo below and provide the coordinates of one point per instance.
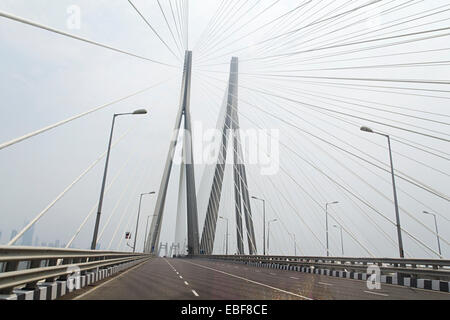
(46, 78)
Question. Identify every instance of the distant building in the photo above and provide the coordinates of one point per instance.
(27, 238)
(36, 241)
(13, 234)
(0, 237)
(57, 244)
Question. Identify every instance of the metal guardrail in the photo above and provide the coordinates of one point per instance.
(433, 269)
(27, 266)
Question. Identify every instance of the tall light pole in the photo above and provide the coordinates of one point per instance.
(226, 250)
(137, 221)
(102, 192)
(264, 222)
(146, 231)
(437, 231)
(397, 212)
(268, 234)
(342, 238)
(295, 244)
(326, 223)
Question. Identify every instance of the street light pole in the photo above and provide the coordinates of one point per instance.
(226, 250)
(326, 224)
(397, 212)
(268, 234)
(264, 223)
(137, 221)
(102, 192)
(437, 231)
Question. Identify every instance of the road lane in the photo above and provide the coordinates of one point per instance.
(194, 279)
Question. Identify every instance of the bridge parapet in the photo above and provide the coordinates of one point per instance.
(29, 269)
(421, 273)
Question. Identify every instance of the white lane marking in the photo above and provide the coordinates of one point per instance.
(181, 277)
(325, 284)
(251, 281)
(195, 293)
(186, 283)
(378, 294)
(294, 278)
(115, 278)
(274, 274)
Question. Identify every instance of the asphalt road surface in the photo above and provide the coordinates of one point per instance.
(198, 279)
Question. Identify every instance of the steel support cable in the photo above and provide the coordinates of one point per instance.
(180, 22)
(135, 191)
(377, 116)
(310, 92)
(67, 189)
(349, 115)
(153, 29)
(37, 132)
(119, 200)
(219, 24)
(301, 218)
(352, 171)
(95, 205)
(261, 27)
(409, 145)
(292, 78)
(415, 238)
(349, 191)
(180, 50)
(350, 198)
(206, 50)
(212, 44)
(352, 133)
(367, 154)
(290, 32)
(211, 22)
(308, 62)
(40, 26)
(406, 178)
(176, 25)
(271, 46)
(225, 26)
(417, 184)
(397, 24)
(390, 10)
(363, 42)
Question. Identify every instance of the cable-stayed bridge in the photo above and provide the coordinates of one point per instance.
(371, 136)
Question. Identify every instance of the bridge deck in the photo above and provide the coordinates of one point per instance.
(186, 279)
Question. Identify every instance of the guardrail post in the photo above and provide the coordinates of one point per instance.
(33, 264)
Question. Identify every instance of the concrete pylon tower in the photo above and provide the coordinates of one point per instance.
(242, 202)
(188, 163)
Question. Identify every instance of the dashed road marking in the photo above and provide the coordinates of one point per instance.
(195, 293)
(294, 278)
(186, 283)
(377, 294)
(325, 284)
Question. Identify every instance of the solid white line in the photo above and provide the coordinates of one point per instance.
(195, 293)
(115, 278)
(251, 281)
(325, 284)
(376, 293)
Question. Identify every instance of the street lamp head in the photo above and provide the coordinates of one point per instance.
(366, 129)
(140, 111)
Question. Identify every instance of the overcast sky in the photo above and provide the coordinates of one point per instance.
(46, 78)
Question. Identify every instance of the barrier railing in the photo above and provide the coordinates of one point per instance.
(25, 267)
(434, 269)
